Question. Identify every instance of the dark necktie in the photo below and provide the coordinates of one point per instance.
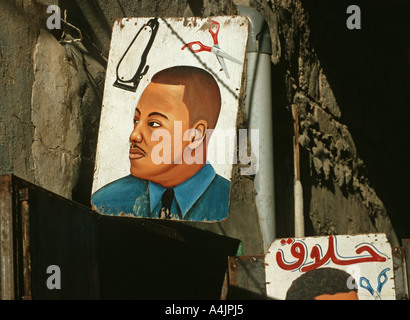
(166, 201)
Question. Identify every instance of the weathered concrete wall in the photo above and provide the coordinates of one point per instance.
(338, 197)
(62, 96)
(18, 36)
(49, 106)
(50, 97)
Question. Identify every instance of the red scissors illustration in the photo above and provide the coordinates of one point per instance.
(214, 49)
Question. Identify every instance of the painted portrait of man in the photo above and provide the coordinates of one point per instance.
(169, 175)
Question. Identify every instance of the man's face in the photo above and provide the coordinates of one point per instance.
(158, 108)
(351, 295)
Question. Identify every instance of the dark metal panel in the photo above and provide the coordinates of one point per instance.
(6, 238)
(51, 230)
(400, 273)
(246, 277)
(102, 256)
(150, 259)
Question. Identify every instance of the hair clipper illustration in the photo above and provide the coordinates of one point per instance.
(126, 79)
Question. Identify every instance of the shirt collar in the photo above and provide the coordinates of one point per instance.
(186, 193)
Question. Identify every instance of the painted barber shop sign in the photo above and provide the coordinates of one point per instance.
(340, 267)
(168, 135)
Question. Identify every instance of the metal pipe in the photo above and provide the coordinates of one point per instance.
(298, 190)
(258, 107)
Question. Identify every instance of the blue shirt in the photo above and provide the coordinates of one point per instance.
(203, 197)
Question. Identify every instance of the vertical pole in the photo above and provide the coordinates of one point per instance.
(258, 107)
(298, 190)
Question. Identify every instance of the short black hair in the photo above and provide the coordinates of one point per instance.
(319, 281)
(202, 95)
